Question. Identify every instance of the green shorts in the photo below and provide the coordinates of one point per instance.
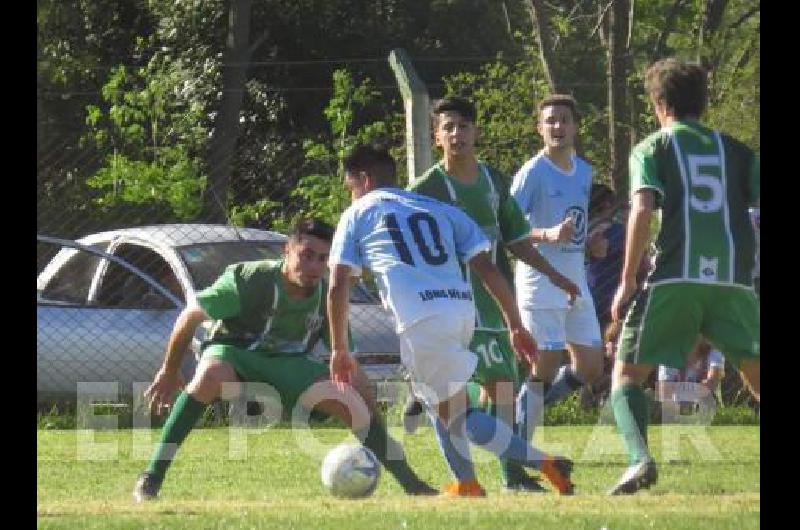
(496, 358)
(665, 320)
(289, 375)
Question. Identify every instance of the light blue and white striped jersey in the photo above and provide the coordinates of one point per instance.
(547, 195)
(415, 246)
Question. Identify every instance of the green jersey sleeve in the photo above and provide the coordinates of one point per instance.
(513, 224)
(220, 300)
(643, 174)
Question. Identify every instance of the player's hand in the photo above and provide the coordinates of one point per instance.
(161, 393)
(524, 345)
(562, 232)
(626, 289)
(342, 367)
(566, 285)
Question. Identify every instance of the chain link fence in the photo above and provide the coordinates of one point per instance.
(107, 303)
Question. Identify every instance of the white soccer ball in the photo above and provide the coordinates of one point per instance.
(350, 471)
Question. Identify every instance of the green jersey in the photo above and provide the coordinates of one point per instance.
(705, 182)
(252, 310)
(489, 204)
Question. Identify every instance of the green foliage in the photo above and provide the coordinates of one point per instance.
(324, 193)
(506, 95)
(155, 134)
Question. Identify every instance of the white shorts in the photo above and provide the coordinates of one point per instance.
(435, 352)
(554, 328)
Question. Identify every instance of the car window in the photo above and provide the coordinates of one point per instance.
(74, 278)
(121, 288)
(206, 261)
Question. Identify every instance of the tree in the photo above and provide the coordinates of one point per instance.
(618, 28)
(540, 18)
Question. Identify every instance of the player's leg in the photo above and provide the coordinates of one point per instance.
(662, 324)
(204, 388)
(733, 325)
(548, 328)
(307, 383)
(497, 375)
(497, 437)
(584, 344)
(631, 413)
(435, 353)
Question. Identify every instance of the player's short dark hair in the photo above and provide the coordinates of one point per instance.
(312, 227)
(680, 85)
(374, 161)
(464, 107)
(564, 100)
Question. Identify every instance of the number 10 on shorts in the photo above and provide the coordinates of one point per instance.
(491, 355)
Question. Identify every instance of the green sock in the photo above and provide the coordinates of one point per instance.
(473, 394)
(630, 411)
(181, 420)
(390, 454)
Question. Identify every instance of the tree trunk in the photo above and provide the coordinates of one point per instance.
(541, 29)
(660, 47)
(712, 19)
(222, 145)
(617, 74)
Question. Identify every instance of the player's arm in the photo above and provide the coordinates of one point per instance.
(636, 240)
(498, 287)
(169, 379)
(516, 232)
(560, 233)
(342, 365)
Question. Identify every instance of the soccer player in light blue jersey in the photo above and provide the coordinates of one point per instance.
(552, 190)
(416, 247)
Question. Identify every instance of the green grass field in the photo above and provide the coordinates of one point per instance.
(708, 478)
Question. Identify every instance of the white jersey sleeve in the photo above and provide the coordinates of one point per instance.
(344, 247)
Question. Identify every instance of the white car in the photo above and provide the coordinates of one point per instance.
(106, 303)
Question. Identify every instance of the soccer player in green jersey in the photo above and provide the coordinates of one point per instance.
(268, 316)
(482, 193)
(703, 181)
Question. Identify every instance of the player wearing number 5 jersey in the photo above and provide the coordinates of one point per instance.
(416, 248)
(703, 182)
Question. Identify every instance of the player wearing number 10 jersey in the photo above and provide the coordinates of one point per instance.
(416, 248)
(701, 285)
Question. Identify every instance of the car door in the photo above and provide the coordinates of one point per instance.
(101, 319)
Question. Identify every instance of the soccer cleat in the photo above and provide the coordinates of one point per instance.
(526, 484)
(467, 488)
(639, 475)
(557, 470)
(412, 414)
(146, 489)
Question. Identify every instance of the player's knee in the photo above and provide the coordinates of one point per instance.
(207, 383)
(548, 364)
